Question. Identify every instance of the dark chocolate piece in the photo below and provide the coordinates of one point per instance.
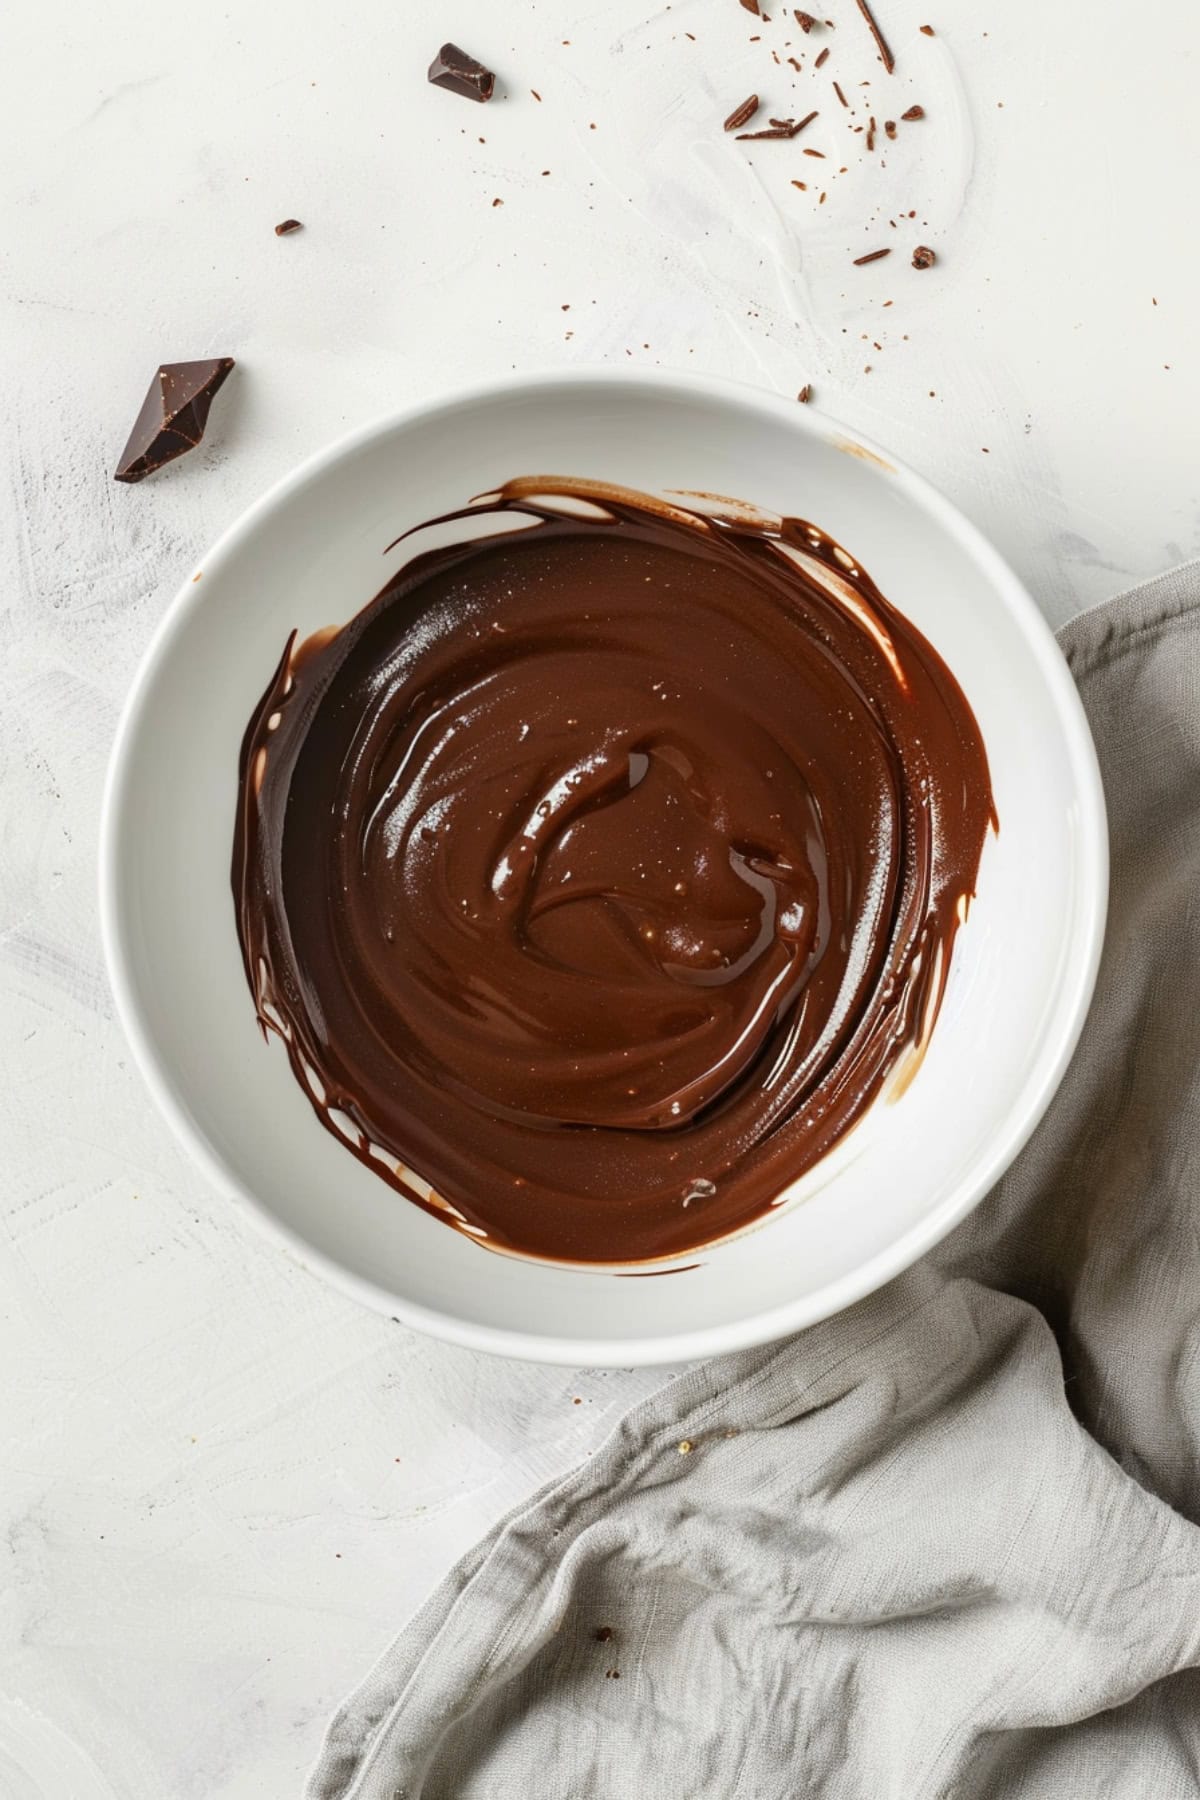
(923, 257)
(881, 43)
(287, 226)
(603, 1634)
(598, 876)
(741, 114)
(459, 73)
(914, 112)
(173, 416)
(871, 256)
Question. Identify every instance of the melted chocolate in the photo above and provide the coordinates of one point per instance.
(599, 874)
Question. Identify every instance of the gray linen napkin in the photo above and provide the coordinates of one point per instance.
(944, 1544)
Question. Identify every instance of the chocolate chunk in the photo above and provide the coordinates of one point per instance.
(459, 73)
(751, 6)
(287, 226)
(173, 416)
(914, 112)
(870, 257)
(742, 113)
(805, 21)
(923, 257)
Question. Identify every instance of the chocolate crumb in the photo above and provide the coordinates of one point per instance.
(871, 133)
(923, 257)
(603, 1634)
(287, 226)
(870, 257)
(928, 30)
(459, 73)
(823, 58)
(889, 125)
(805, 394)
(837, 88)
(535, 94)
(805, 21)
(819, 153)
(742, 113)
(803, 186)
(881, 43)
(497, 202)
(914, 112)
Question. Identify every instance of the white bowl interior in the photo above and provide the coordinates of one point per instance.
(310, 555)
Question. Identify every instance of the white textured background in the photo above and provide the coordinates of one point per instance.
(221, 1485)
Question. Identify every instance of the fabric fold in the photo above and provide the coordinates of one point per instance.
(943, 1544)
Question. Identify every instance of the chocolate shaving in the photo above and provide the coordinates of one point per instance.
(805, 21)
(287, 226)
(923, 257)
(741, 113)
(881, 43)
(838, 91)
(459, 73)
(870, 257)
(819, 153)
(914, 112)
(871, 133)
(751, 6)
(889, 125)
(823, 58)
(173, 416)
(779, 128)
(805, 394)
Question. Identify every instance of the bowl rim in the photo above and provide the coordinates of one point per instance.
(754, 1328)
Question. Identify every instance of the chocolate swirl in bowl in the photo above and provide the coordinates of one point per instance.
(604, 869)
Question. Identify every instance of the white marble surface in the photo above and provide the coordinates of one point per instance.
(222, 1486)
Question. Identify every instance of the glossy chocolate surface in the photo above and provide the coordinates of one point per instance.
(599, 874)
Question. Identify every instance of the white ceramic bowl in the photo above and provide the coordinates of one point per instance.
(310, 553)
